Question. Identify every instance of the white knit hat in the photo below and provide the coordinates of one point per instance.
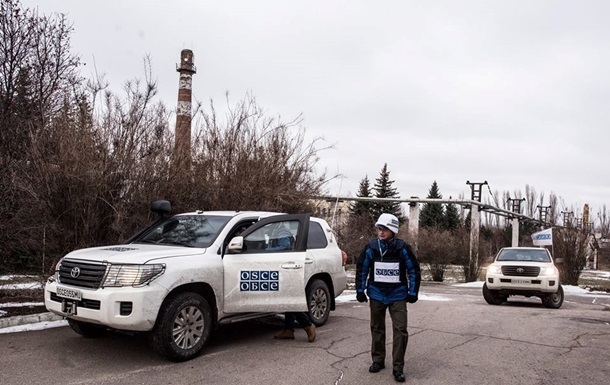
(390, 221)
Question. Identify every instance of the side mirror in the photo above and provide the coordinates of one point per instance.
(559, 261)
(162, 207)
(236, 245)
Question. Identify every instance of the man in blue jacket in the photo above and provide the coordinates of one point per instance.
(389, 271)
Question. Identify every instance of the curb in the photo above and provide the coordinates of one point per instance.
(28, 319)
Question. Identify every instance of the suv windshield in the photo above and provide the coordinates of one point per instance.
(185, 230)
(524, 255)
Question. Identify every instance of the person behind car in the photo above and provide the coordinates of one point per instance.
(389, 271)
(282, 239)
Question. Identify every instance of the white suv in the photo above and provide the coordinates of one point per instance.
(188, 273)
(527, 271)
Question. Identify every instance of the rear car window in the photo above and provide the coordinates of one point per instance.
(316, 239)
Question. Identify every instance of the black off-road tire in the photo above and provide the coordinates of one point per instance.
(183, 327)
(318, 302)
(492, 297)
(86, 329)
(554, 300)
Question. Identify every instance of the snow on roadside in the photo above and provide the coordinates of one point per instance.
(20, 304)
(34, 326)
(21, 286)
(350, 296)
(567, 289)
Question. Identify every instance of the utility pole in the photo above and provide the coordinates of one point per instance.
(544, 214)
(515, 205)
(414, 222)
(475, 189)
(567, 218)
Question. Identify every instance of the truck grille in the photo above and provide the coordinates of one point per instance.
(82, 274)
(521, 271)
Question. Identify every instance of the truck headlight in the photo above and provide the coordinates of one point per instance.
(132, 275)
(549, 271)
(494, 269)
(55, 276)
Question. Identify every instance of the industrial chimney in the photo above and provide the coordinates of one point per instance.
(182, 150)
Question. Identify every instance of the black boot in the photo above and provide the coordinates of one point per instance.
(399, 376)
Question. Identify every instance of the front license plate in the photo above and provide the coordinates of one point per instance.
(521, 281)
(69, 293)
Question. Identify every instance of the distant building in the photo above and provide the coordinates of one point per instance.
(336, 213)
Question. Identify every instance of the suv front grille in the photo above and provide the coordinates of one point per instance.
(521, 271)
(89, 275)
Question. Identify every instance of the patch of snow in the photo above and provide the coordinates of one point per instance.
(14, 276)
(478, 284)
(2, 313)
(432, 297)
(34, 326)
(567, 289)
(21, 286)
(595, 274)
(350, 296)
(343, 298)
(20, 304)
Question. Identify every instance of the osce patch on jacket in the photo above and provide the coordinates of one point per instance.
(387, 272)
(259, 280)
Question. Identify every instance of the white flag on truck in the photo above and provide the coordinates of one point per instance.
(542, 238)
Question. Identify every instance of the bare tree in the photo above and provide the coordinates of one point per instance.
(37, 76)
(251, 160)
(436, 248)
(570, 245)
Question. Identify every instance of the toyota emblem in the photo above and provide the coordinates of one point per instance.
(520, 270)
(75, 272)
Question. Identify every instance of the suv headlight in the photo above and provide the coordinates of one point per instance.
(55, 276)
(549, 271)
(494, 269)
(132, 275)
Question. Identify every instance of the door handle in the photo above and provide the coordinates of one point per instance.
(308, 261)
(291, 265)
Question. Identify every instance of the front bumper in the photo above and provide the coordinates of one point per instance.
(541, 284)
(123, 308)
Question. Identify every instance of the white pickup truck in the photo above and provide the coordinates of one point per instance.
(185, 274)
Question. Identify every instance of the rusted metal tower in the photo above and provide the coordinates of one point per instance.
(182, 150)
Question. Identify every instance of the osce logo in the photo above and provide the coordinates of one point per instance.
(259, 280)
(542, 236)
(387, 272)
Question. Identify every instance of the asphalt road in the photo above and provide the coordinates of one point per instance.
(455, 338)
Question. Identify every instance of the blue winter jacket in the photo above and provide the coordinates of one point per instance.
(389, 271)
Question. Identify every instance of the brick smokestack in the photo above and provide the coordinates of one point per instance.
(182, 150)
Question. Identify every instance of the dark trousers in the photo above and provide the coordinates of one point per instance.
(400, 336)
(301, 318)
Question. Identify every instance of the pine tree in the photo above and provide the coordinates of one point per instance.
(364, 191)
(383, 189)
(452, 217)
(432, 214)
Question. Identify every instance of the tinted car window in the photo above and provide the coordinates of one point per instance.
(524, 255)
(185, 230)
(316, 238)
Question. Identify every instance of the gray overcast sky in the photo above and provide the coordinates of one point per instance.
(512, 92)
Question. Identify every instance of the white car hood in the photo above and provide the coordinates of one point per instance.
(132, 253)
